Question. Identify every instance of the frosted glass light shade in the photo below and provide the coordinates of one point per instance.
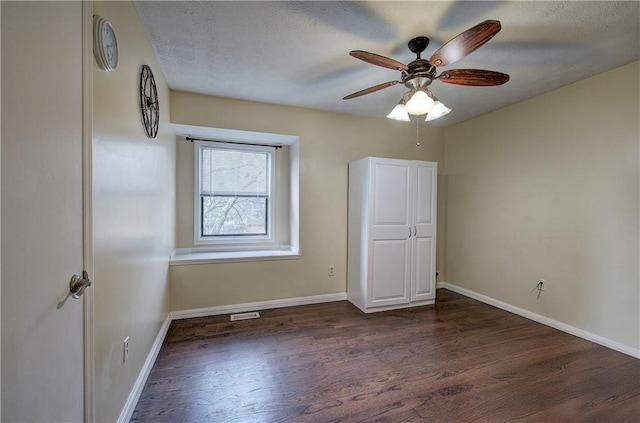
(399, 112)
(419, 104)
(438, 110)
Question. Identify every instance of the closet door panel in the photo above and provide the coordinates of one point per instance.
(423, 270)
(423, 275)
(425, 196)
(390, 272)
(391, 193)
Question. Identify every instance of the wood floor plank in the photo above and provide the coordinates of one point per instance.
(457, 361)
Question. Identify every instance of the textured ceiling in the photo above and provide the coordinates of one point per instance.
(296, 53)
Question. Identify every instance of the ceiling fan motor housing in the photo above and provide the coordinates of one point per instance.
(419, 75)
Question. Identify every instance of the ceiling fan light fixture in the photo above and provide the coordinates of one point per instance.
(419, 103)
(437, 111)
(399, 112)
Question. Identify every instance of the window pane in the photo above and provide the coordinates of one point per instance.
(234, 172)
(225, 216)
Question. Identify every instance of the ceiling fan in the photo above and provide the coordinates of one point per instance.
(420, 73)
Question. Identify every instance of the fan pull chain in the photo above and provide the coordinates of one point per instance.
(417, 131)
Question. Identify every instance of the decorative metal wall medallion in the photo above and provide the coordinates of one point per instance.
(149, 102)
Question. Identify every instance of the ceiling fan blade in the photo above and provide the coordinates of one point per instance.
(376, 59)
(473, 77)
(371, 89)
(465, 43)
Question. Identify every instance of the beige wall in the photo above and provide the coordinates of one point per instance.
(328, 142)
(134, 213)
(549, 188)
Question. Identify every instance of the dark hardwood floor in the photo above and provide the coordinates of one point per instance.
(457, 361)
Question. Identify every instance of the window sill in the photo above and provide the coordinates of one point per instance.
(181, 258)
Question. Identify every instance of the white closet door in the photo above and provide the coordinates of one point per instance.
(390, 225)
(423, 272)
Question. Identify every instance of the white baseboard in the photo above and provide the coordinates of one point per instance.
(260, 305)
(134, 395)
(136, 391)
(614, 345)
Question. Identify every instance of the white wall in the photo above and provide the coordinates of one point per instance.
(328, 142)
(134, 213)
(549, 188)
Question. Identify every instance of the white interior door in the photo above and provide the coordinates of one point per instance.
(423, 271)
(390, 250)
(42, 221)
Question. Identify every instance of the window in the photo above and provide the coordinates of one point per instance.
(234, 194)
(244, 202)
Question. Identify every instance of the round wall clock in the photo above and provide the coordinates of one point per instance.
(149, 102)
(105, 45)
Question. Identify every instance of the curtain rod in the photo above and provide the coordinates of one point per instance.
(234, 142)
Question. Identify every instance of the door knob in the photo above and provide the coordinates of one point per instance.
(78, 284)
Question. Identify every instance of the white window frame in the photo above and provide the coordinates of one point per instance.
(234, 243)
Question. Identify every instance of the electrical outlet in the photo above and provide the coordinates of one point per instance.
(125, 351)
(332, 270)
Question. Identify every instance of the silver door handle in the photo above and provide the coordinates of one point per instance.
(78, 284)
